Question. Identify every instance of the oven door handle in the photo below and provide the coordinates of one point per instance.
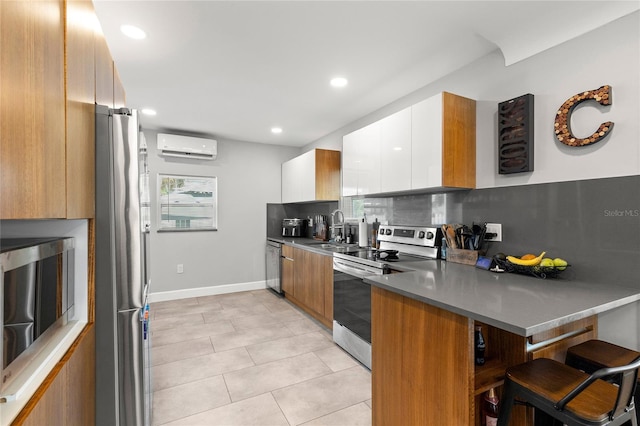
(352, 269)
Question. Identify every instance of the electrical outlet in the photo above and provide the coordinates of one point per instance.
(180, 269)
(494, 228)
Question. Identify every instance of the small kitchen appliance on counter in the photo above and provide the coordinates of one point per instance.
(352, 295)
(294, 227)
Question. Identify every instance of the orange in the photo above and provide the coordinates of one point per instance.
(528, 256)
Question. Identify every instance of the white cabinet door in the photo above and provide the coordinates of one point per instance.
(369, 159)
(426, 143)
(288, 182)
(350, 164)
(361, 161)
(306, 175)
(395, 152)
(299, 178)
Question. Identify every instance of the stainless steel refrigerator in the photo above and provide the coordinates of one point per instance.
(123, 380)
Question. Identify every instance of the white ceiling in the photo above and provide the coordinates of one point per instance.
(234, 69)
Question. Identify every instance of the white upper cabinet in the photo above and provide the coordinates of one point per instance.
(395, 152)
(443, 142)
(361, 164)
(426, 137)
(430, 145)
(312, 176)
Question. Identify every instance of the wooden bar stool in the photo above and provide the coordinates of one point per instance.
(595, 354)
(570, 395)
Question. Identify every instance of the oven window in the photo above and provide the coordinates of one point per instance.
(352, 304)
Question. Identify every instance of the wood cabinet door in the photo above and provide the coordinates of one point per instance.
(81, 81)
(458, 141)
(327, 278)
(327, 167)
(314, 281)
(67, 397)
(32, 110)
(119, 96)
(287, 274)
(104, 72)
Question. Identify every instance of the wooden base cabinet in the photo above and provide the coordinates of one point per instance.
(307, 281)
(423, 368)
(67, 396)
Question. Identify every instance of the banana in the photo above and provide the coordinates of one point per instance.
(530, 262)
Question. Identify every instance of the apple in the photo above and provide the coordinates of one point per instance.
(560, 264)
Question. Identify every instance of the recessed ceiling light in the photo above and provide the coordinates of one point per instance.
(133, 32)
(276, 130)
(148, 111)
(339, 82)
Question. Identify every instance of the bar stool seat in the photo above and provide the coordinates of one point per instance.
(595, 354)
(570, 395)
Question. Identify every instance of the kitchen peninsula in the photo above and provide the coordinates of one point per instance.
(423, 369)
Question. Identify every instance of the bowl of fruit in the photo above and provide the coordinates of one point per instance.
(530, 264)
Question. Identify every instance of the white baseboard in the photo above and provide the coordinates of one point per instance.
(206, 291)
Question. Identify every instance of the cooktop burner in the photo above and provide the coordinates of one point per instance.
(399, 244)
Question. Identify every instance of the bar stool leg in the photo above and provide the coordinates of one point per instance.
(507, 403)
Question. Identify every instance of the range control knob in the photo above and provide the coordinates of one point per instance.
(421, 234)
(387, 232)
(429, 235)
(381, 231)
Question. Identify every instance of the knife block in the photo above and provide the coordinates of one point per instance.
(467, 257)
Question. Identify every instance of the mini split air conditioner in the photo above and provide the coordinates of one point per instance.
(187, 147)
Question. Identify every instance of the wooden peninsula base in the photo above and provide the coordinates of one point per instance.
(423, 369)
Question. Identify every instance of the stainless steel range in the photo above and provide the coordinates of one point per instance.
(352, 295)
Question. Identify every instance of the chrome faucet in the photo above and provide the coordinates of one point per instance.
(337, 223)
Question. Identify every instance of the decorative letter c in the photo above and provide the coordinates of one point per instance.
(563, 117)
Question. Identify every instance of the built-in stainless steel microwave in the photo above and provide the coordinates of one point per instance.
(36, 297)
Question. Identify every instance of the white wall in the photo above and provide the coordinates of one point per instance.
(233, 257)
(608, 55)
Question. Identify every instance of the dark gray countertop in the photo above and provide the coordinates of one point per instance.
(322, 247)
(521, 304)
(524, 305)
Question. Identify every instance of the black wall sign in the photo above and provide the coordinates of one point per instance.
(515, 135)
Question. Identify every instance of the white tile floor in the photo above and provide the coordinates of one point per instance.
(251, 358)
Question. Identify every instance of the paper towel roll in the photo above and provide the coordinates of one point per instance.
(362, 234)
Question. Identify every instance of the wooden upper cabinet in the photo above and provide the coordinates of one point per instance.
(312, 176)
(32, 110)
(81, 81)
(443, 142)
(119, 98)
(104, 72)
(430, 145)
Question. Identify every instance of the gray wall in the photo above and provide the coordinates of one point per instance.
(248, 177)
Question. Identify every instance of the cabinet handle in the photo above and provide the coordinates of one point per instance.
(287, 258)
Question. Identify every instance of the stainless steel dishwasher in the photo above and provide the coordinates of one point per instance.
(273, 253)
